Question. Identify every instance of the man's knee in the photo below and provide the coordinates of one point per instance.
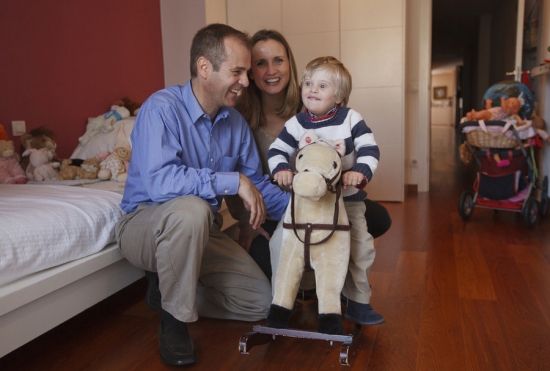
(189, 210)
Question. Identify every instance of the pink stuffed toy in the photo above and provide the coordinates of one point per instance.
(10, 169)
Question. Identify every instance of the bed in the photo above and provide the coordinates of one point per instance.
(58, 254)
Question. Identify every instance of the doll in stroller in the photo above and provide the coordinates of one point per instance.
(504, 150)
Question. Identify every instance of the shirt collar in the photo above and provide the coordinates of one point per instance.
(329, 114)
(194, 108)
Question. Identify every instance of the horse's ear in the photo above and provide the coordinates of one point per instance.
(309, 137)
(340, 146)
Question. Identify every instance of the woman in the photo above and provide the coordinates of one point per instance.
(273, 97)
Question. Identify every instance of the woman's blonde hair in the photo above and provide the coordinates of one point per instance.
(340, 74)
(250, 103)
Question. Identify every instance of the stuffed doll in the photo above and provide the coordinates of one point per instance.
(315, 226)
(103, 123)
(10, 169)
(115, 165)
(40, 167)
(88, 169)
(37, 138)
(509, 108)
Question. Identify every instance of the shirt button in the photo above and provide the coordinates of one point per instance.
(226, 191)
(211, 160)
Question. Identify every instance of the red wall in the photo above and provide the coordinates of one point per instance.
(62, 61)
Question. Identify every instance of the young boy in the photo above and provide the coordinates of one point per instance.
(326, 87)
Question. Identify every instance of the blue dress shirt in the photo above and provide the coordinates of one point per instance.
(177, 150)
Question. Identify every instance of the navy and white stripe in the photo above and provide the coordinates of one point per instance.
(362, 152)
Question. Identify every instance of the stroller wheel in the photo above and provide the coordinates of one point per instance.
(466, 204)
(543, 205)
(530, 212)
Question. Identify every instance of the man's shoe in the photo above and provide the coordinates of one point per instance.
(176, 346)
(153, 297)
(362, 314)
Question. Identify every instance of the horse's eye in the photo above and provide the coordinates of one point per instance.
(334, 164)
(299, 157)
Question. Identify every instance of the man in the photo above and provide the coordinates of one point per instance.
(190, 149)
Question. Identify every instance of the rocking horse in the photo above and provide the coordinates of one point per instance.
(315, 236)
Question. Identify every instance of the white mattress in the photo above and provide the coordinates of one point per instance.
(42, 226)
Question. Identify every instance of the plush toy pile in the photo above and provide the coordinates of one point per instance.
(88, 169)
(11, 171)
(104, 123)
(316, 217)
(37, 138)
(115, 165)
(40, 167)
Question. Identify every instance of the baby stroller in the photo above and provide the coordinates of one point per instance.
(507, 176)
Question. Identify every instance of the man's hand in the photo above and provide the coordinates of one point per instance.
(253, 201)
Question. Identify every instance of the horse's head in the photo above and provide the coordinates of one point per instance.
(318, 166)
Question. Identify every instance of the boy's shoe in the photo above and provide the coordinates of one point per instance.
(362, 314)
(153, 297)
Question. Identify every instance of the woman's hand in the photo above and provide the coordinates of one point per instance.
(247, 234)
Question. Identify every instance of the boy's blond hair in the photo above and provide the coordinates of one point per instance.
(340, 74)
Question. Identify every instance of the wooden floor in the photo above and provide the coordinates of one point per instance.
(456, 296)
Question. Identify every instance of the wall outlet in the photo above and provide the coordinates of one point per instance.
(18, 128)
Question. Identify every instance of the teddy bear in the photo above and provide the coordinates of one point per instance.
(130, 104)
(114, 166)
(10, 169)
(40, 167)
(104, 123)
(40, 137)
(88, 169)
(316, 234)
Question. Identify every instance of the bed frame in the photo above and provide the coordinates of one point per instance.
(37, 303)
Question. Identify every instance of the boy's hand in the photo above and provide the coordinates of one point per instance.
(284, 178)
(353, 179)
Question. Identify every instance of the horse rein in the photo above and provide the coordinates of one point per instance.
(309, 227)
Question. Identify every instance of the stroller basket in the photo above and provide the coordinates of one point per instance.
(500, 183)
(483, 139)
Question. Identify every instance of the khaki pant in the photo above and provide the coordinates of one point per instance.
(201, 270)
(362, 255)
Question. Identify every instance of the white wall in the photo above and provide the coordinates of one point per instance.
(411, 140)
(368, 37)
(180, 19)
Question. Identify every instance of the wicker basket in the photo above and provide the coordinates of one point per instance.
(481, 139)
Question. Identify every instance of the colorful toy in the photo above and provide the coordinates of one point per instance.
(115, 165)
(87, 170)
(40, 167)
(10, 169)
